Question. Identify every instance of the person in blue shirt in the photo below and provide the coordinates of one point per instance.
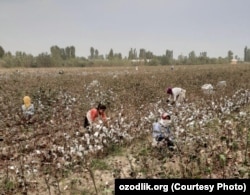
(162, 130)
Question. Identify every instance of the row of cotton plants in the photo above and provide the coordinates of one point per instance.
(207, 128)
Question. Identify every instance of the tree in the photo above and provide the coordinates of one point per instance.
(1, 52)
(142, 54)
(92, 52)
(111, 54)
(230, 55)
(192, 57)
(67, 52)
(149, 55)
(72, 52)
(63, 54)
(55, 52)
(132, 54)
(118, 56)
(43, 60)
(246, 54)
(169, 57)
(182, 59)
(23, 60)
(56, 55)
(203, 59)
(96, 53)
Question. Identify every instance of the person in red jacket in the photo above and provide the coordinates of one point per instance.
(94, 113)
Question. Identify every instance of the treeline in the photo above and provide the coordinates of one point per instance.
(66, 57)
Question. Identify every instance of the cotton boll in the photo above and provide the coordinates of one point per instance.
(243, 114)
(96, 134)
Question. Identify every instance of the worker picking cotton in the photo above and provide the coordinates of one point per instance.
(27, 107)
(162, 131)
(93, 114)
(176, 95)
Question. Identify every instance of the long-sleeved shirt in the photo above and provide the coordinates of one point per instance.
(29, 110)
(160, 131)
(93, 114)
(176, 92)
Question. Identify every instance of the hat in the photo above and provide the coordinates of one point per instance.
(26, 101)
(165, 119)
(169, 90)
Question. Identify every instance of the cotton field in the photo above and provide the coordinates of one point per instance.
(53, 154)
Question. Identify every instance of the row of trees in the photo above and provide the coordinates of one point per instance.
(66, 57)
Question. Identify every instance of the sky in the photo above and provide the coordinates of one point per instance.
(183, 26)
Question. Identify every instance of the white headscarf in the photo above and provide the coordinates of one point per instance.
(165, 120)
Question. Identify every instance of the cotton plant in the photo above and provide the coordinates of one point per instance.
(189, 116)
(207, 89)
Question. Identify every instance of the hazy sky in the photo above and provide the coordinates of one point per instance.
(214, 26)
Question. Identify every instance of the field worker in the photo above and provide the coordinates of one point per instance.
(162, 132)
(93, 114)
(172, 67)
(176, 95)
(27, 107)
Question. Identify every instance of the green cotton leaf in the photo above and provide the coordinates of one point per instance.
(107, 191)
(222, 157)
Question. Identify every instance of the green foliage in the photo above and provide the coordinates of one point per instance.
(114, 149)
(246, 54)
(66, 57)
(99, 164)
(154, 62)
(230, 55)
(111, 54)
(222, 159)
(1, 52)
(7, 186)
(132, 54)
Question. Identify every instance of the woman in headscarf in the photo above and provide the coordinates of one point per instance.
(176, 95)
(162, 132)
(27, 107)
(93, 114)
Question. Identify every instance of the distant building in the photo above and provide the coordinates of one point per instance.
(140, 61)
(234, 61)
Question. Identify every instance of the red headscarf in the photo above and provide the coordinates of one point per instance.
(169, 90)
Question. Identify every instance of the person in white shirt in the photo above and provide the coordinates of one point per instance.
(176, 95)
